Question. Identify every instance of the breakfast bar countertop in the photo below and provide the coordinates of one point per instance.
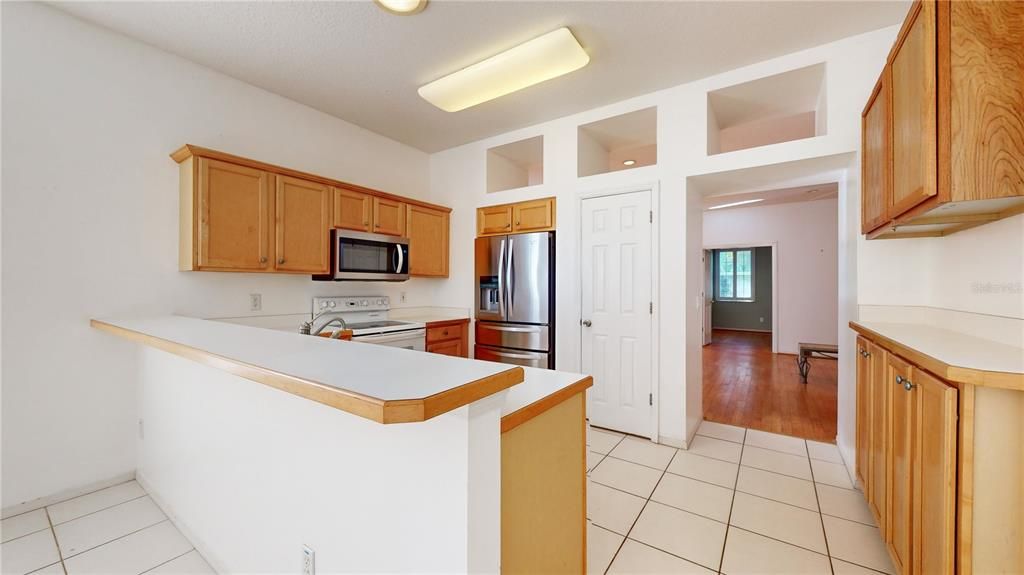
(384, 384)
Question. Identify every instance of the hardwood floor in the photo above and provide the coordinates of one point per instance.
(745, 384)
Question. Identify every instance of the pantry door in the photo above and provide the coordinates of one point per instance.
(617, 307)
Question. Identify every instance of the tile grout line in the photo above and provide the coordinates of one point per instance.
(821, 516)
(99, 510)
(647, 501)
(732, 503)
(168, 561)
(119, 537)
(53, 532)
(66, 500)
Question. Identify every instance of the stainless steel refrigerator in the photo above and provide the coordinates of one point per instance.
(515, 299)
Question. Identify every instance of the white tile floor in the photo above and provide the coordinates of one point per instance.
(738, 501)
(117, 530)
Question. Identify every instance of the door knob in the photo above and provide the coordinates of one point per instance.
(587, 323)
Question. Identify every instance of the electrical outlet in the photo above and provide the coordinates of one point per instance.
(255, 302)
(142, 429)
(401, 297)
(762, 320)
(308, 561)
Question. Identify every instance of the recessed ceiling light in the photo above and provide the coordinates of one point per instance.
(403, 7)
(736, 204)
(543, 58)
(629, 162)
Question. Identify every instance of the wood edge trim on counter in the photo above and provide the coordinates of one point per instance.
(188, 150)
(372, 408)
(524, 414)
(1000, 379)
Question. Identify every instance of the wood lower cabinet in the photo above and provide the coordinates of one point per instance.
(225, 216)
(936, 459)
(388, 217)
(427, 230)
(522, 217)
(302, 223)
(948, 109)
(352, 210)
(449, 337)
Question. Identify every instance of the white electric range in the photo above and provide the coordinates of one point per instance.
(367, 317)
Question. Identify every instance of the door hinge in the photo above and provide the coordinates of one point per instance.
(651, 216)
(650, 399)
(650, 308)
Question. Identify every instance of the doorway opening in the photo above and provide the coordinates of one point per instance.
(770, 285)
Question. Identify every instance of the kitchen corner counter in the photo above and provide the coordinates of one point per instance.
(383, 384)
(541, 390)
(952, 355)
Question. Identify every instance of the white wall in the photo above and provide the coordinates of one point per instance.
(90, 226)
(458, 178)
(806, 235)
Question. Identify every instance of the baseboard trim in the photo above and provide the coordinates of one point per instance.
(741, 329)
(64, 495)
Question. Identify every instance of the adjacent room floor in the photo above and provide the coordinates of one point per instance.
(117, 530)
(747, 385)
(738, 501)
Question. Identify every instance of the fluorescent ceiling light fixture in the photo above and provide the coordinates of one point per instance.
(402, 7)
(543, 58)
(736, 204)
(629, 162)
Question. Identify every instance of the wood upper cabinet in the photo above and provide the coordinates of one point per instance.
(955, 83)
(388, 217)
(534, 215)
(302, 223)
(352, 210)
(428, 231)
(876, 180)
(522, 217)
(232, 206)
(494, 220)
(914, 144)
(934, 474)
(900, 465)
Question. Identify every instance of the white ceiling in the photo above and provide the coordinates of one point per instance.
(355, 61)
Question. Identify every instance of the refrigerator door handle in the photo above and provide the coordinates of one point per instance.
(511, 278)
(501, 282)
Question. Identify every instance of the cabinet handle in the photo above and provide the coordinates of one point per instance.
(280, 260)
(899, 380)
(907, 385)
(508, 226)
(263, 259)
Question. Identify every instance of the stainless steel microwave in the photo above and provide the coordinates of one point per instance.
(359, 256)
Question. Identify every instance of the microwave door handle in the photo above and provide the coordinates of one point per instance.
(401, 258)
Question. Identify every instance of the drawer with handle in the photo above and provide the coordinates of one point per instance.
(445, 331)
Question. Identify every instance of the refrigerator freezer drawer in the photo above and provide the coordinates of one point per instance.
(513, 356)
(531, 337)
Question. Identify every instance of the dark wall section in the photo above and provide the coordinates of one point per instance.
(756, 315)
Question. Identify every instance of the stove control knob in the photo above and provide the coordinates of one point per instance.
(364, 302)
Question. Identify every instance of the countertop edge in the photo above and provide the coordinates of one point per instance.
(955, 373)
(381, 411)
(532, 410)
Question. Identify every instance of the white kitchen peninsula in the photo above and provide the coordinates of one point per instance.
(257, 442)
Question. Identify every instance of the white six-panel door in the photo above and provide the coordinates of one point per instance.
(616, 310)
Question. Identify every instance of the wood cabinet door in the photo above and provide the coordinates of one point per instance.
(388, 217)
(494, 220)
(533, 215)
(876, 159)
(934, 475)
(914, 137)
(863, 423)
(234, 217)
(877, 433)
(427, 230)
(900, 468)
(451, 347)
(302, 224)
(352, 210)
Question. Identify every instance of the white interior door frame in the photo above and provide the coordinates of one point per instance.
(775, 280)
(654, 189)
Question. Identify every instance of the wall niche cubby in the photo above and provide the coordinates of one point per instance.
(618, 143)
(515, 165)
(781, 108)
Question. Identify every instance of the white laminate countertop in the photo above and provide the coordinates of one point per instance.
(374, 371)
(537, 384)
(952, 347)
